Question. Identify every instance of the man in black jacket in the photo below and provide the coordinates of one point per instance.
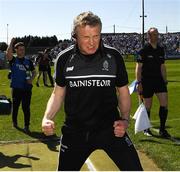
(88, 75)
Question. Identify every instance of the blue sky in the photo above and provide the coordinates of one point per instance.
(55, 17)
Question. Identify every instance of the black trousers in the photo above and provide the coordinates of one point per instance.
(21, 96)
(76, 147)
(50, 76)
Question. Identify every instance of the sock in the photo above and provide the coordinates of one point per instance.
(148, 112)
(163, 111)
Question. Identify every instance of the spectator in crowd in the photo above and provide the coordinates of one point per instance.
(22, 75)
(152, 79)
(87, 76)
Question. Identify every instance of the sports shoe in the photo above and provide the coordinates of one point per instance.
(26, 129)
(164, 134)
(148, 133)
(15, 125)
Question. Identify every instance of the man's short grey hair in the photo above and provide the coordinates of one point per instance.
(86, 18)
(152, 28)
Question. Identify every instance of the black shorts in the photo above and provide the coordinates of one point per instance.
(153, 85)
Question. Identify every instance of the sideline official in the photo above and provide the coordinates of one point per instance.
(152, 79)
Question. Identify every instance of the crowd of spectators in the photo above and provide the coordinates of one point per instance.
(129, 43)
(171, 42)
(63, 44)
(126, 43)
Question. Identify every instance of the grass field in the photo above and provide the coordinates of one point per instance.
(163, 151)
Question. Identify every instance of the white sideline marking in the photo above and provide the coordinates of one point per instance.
(157, 131)
(90, 165)
(168, 120)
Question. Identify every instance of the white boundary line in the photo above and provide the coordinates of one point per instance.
(168, 120)
(90, 165)
(171, 138)
(157, 130)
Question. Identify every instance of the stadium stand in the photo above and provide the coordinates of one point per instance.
(130, 43)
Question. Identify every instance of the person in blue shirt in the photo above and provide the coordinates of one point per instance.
(22, 75)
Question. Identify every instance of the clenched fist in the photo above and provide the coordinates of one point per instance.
(48, 127)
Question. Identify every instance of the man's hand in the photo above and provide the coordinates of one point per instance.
(120, 127)
(29, 81)
(9, 51)
(48, 127)
(12, 41)
(139, 88)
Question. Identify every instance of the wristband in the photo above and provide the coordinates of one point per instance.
(124, 119)
(138, 82)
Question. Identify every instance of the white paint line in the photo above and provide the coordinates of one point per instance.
(90, 165)
(172, 138)
(168, 120)
(157, 130)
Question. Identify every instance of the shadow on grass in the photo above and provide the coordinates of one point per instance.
(10, 161)
(175, 140)
(51, 141)
(157, 127)
(149, 140)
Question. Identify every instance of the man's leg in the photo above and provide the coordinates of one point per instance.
(148, 104)
(26, 100)
(50, 76)
(121, 150)
(16, 97)
(45, 78)
(37, 82)
(163, 112)
(148, 92)
(74, 151)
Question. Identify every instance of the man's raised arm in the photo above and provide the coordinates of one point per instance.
(9, 51)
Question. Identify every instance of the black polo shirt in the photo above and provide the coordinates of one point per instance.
(91, 82)
(152, 58)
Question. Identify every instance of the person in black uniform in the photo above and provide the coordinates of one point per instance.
(151, 77)
(44, 60)
(22, 75)
(47, 55)
(43, 68)
(88, 75)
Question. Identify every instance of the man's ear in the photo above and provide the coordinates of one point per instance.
(73, 36)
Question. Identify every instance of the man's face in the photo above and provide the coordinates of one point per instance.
(88, 38)
(153, 35)
(20, 51)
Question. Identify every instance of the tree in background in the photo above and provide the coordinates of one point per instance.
(3, 46)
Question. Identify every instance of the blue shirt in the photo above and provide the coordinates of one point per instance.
(19, 67)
